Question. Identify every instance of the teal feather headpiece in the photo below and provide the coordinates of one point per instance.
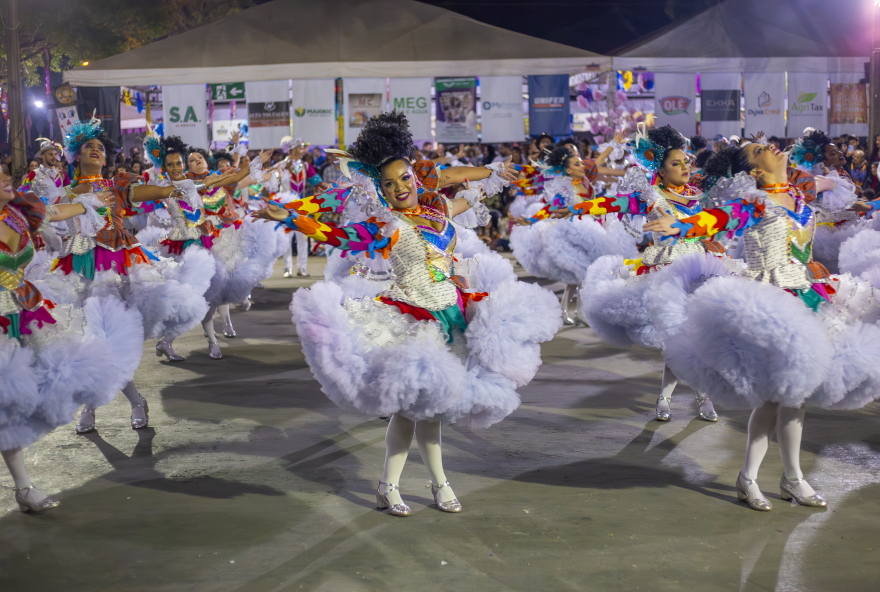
(80, 133)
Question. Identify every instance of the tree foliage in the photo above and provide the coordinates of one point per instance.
(75, 31)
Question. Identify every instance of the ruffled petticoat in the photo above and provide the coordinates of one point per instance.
(562, 250)
(167, 293)
(372, 357)
(243, 257)
(743, 342)
(84, 357)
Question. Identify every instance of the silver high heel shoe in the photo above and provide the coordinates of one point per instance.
(163, 348)
(228, 330)
(663, 415)
(711, 416)
(214, 351)
(453, 506)
(139, 424)
(762, 504)
(302, 272)
(382, 501)
(87, 425)
(786, 492)
(288, 273)
(26, 505)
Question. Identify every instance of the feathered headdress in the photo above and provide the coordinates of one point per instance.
(647, 154)
(808, 152)
(347, 164)
(154, 147)
(80, 133)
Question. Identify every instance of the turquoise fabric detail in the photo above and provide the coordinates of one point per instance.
(811, 298)
(451, 318)
(14, 328)
(85, 264)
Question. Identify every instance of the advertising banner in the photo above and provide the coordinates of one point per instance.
(720, 95)
(807, 99)
(456, 109)
(413, 97)
(185, 113)
(764, 94)
(314, 111)
(364, 98)
(549, 105)
(849, 106)
(675, 101)
(502, 109)
(268, 113)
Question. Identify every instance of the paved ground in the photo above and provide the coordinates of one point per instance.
(249, 479)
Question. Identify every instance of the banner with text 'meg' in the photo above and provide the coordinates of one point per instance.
(412, 96)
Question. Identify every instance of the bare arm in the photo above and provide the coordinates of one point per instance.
(150, 193)
(459, 205)
(458, 175)
(65, 212)
(610, 172)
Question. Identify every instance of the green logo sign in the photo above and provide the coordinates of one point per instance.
(230, 91)
(410, 105)
(189, 115)
(805, 104)
(299, 111)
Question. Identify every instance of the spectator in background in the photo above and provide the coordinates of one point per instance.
(533, 153)
(122, 168)
(32, 166)
(776, 142)
(110, 169)
(318, 156)
(504, 152)
(487, 155)
(330, 171)
(858, 168)
(544, 142)
(137, 168)
(427, 147)
(875, 150)
(517, 155)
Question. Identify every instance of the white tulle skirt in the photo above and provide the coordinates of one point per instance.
(562, 250)
(84, 358)
(743, 342)
(371, 357)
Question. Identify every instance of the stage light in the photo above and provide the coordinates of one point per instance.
(39, 104)
(86, 63)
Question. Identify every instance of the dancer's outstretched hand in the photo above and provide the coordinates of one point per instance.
(271, 213)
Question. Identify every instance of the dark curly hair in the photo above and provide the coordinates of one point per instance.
(174, 145)
(205, 154)
(667, 138)
(221, 155)
(727, 162)
(702, 158)
(385, 137)
(818, 137)
(699, 142)
(559, 157)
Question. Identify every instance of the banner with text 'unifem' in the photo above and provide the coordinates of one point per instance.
(720, 94)
(764, 97)
(268, 112)
(314, 111)
(364, 98)
(502, 109)
(412, 96)
(549, 111)
(185, 113)
(674, 101)
(807, 99)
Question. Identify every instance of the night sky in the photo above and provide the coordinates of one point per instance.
(595, 25)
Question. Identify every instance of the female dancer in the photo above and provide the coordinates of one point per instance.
(53, 357)
(101, 257)
(817, 154)
(241, 257)
(434, 346)
(220, 210)
(754, 344)
(617, 292)
(563, 250)
(296, 177)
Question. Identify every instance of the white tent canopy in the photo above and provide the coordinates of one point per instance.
(308, 39)
(761, 36)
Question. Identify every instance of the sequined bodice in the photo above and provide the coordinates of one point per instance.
(13, 264)
(439, 245)
(663, 252)
(779, 247)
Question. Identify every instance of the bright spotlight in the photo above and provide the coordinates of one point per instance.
(38, 104)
